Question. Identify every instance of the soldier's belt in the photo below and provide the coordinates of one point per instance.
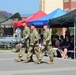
(47, 45)
(50, 45)
(34, 45)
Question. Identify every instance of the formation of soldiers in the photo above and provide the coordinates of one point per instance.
(30, 42)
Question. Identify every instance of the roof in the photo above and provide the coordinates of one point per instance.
(4, 18)
(16, 15)
(37, 15)
(27, 20)
(44, 20)
(66, 20)
(11, 20)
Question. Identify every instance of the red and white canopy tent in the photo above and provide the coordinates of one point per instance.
(37, 15)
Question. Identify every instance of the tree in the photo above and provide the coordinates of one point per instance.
(54, 31)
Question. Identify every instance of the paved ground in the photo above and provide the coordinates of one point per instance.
(8, 66)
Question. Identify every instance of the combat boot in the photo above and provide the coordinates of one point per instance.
(50, 62)
(38, 61)
(18, 59)
(30, 60)
(26, 60)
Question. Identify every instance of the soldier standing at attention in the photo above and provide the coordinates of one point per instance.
(24, 41)
(34, 43)
(47, 45)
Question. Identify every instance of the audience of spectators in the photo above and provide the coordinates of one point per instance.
(63, 45)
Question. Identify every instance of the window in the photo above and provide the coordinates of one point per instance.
(73, 0)
(66, 0)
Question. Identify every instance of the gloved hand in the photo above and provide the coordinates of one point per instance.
(44, 43)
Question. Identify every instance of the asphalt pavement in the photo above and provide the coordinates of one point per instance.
(8, 66)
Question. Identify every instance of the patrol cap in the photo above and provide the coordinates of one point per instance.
(32, 25)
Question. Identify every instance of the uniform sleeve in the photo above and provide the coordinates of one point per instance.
(27, 35)
(49, 35)
(36, 36)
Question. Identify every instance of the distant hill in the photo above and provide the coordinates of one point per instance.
(7, 14)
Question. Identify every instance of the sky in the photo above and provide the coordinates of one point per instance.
(21, 6)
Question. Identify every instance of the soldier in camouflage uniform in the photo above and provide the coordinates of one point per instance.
(25, 42)
(34, 43)
(1, 32)
(46, 45)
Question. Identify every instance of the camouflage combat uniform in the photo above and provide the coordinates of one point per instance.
(25, 43)
(34, 42)
(46, 46)
(1, 32)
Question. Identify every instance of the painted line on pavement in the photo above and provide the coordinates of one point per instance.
(33, 71)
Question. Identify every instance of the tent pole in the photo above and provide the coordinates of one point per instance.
(74, 40)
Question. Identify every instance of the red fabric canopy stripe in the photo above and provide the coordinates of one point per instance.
(35, 16)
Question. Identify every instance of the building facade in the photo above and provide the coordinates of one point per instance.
(69, 5)
(50, 5)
